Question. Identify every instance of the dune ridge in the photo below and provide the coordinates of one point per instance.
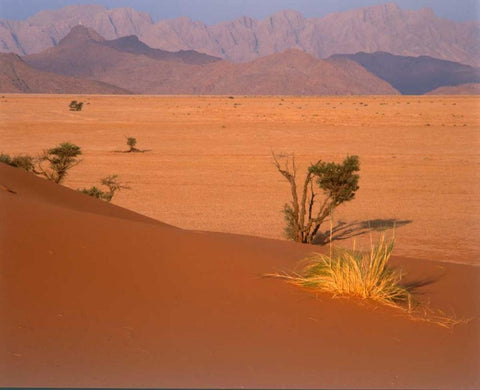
(95, 295)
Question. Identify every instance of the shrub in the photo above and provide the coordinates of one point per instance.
(113, 185)
(6, 159)
(305, 215)
(22, 161)
(55, 163)
(75, 106)
(131, 143)
(93, 192)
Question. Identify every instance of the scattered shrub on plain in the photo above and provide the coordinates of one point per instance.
(132, 143)
(113, 185)
(55, 163)
(304, 215)
(75, 106)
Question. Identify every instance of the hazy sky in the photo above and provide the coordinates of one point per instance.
(213, 11)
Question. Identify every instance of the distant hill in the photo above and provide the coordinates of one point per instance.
(415, 75)
(383, 27)
(464, 89)
(292, 72)
(85, 53)
(130, 64)
(131, 44)
(17, 77)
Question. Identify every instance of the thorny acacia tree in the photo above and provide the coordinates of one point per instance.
(131, 143)
(113, 185)
(304, 215)
(54, 163)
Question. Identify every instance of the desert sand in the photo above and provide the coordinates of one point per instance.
(93, 294)
(210, 166)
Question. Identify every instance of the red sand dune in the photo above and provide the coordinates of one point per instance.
(96, 295)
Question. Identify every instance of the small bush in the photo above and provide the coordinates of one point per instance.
(132, 143)
(22, 161)
(113, 185)
(5, 158)
(307, 211)
(75, 106)
(55, 163)
(93, 192)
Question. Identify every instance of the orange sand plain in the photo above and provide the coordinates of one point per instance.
(210, 165)
(95, 295)
(92, 294)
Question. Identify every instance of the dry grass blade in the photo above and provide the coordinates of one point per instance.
(366, 275)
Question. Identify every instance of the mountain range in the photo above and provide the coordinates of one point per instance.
(85, 54)
(415, 75)
(383, 27)
(280, 55)
(17, 77)
(86, 62)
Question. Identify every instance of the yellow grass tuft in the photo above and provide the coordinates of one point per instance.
(366, 275)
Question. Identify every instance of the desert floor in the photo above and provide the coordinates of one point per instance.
(209, 165)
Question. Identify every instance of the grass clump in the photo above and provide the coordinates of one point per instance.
(366, 275)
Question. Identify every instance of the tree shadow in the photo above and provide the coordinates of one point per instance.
(344, 231)
(414, 285)
(134, 150)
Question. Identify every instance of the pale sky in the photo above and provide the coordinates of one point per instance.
(214, 11)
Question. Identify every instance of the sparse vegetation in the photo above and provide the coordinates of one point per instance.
(75, 106)
(55, 163)
(21, 161)
(113, 185)
(366, 275)
(304, 215)
(132, 143)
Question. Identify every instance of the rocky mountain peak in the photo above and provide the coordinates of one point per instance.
(289, 15)
(384, 27)
(80, 34)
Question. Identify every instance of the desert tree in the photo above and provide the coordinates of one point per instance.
(55, 163)
(131, 143)
(305, 213)
(113, 185)
(75, 106)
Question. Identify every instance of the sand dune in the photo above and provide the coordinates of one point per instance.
(210, 166)
(95, 295)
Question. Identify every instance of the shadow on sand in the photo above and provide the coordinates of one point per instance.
(344, 231)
